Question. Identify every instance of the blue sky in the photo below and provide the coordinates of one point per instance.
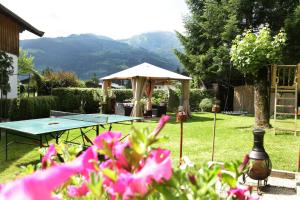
(118, 19)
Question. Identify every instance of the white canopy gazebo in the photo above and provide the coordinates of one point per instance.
(143, 78)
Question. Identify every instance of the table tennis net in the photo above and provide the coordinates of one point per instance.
(99, 119)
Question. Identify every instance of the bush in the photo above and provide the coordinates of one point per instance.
(4, 108)
(57, 79)
(173, 101)
(196, 96)
(32, 107)
(206, 105)
(79, 99)
(160, 96)
(122, 94)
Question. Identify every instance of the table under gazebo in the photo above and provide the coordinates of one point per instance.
(143, 78)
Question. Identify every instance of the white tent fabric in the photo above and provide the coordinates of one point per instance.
(146, 70)
(138, 76)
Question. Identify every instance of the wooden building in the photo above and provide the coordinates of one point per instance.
(11, 25)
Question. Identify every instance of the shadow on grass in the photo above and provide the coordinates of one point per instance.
(33, 162)
(194, 118)
(15, 149)
(244, 127)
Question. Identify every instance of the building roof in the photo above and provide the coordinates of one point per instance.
(24, 25)
(146, 70)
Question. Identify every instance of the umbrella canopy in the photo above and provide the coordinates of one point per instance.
(148, 71)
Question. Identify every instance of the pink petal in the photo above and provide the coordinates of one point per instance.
(163, 120)
(74, 191)
(245, 162)
(158, 166)
(47, 157)
(40, 184)
(242, 193)
(107, 136)
(118, 152)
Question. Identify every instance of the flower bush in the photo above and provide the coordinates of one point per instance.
(129, 169)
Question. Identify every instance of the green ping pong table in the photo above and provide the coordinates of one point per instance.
(57, 126)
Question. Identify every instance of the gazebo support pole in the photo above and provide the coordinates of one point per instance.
(181, 140)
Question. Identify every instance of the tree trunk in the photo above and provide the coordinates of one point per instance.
(261, 98)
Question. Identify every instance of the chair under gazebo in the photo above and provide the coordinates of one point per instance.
(143, 78)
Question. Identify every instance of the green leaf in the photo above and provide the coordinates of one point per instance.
(228, 179)
(110, 174)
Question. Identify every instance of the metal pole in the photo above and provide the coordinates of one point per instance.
(181, 140)
(41, 145)
(299, 160)
(214, 136)
(5, 145)
(28, 86)
(97, 130)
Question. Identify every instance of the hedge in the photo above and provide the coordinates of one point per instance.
(79, 99)
(4, 108)
(122, 94)
(32, 107)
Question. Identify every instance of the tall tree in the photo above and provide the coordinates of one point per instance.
(210, 28)
(292, 50)
(25, 62)
(6, 70)
(27, 67)
(251, 54)
(213, 24)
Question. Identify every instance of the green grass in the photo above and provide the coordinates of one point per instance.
(233, 140)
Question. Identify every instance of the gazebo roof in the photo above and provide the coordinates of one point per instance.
(146, 70)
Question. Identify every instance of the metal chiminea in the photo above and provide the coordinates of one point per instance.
(260, 163)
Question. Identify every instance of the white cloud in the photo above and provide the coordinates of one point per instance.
(113, 18)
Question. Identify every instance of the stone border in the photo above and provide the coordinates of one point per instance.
(297, 179)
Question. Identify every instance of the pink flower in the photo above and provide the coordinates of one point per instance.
(48, 156)
(163, 120)
(74, 191)
(107, 136)
(40, 184)
(157, 167)
(118, 152)
(242, 193)
(245, 162)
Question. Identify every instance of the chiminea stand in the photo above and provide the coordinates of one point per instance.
(261, 164)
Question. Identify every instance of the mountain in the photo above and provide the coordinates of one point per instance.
(161, 43)
(86, 54)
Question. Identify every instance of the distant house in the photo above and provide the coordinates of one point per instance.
(113, 85)
(11, 25)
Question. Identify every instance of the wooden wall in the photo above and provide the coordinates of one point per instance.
(243, 99)
(9, 35)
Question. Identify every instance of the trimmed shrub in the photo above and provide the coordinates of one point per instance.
(206, 105)
(196, 96)
(79, 99)
(32, 107)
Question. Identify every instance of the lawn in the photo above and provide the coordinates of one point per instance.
(233, 140)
